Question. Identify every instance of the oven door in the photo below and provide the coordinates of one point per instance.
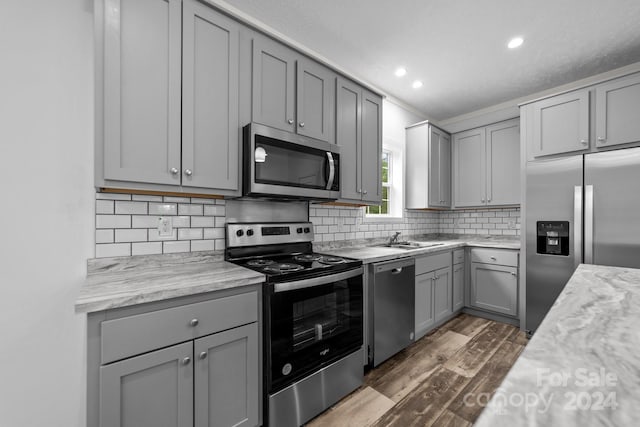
(278, 163)
(312, 323)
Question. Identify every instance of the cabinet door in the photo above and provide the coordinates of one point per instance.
(494, 288)
(442, 293)
(315, 100)
(424, 304)
(371, 149)
(273, 84)
(458, 287)
(469, 168)
(434, 168)
(503, 163)
(561, 124)
(227, 388)
(142, 91)
(349, 137)
(617, 106)
(210, 99)
(152, 390)
(416, 172)
(445, 169)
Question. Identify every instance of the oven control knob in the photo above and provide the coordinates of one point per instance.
(299, 230)
(307, 229)
(239, 233)
(286, 369)
(249, 232)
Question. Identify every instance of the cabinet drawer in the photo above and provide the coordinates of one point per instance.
(458, 256)
(429, 263)
(137, 334)
(495, 256)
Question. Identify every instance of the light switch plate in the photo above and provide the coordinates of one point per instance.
(165, 226)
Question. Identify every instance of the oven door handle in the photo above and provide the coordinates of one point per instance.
(332, 170)
(317, 281)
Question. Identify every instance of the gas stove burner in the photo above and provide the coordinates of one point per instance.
(283, 268)
(307, 257)
(331, 260)
(260, 262)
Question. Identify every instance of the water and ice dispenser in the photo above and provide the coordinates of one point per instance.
(553, 237)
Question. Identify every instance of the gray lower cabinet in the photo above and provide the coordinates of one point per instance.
(359, 135)
(195, 364)
(486, 165)
(434, 292)
(226, 378)
(291, 92)
(458, 281)
(154, 389)
(494, 281)
(428, 167)
(170, 97)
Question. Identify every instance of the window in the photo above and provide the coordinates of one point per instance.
(383, 208)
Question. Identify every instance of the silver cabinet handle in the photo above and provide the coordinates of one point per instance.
(188, 172)
(186, 360)
(514, 274)
(584, 142)
(174, 171)
(203, 355)
(359, 190)
(601, 139)
(482, 200)
(301, 124)
(194, 322)
(290, 121)
(588, 224)
(364, 191)
(493, 258)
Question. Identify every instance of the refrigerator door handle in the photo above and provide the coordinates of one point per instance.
(577, 224)
(588, 224)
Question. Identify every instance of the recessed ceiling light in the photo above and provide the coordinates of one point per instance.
(401, 72)
(515, 42)
(417, 84)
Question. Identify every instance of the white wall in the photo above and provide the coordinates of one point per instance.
(47, 208)
(395, 119)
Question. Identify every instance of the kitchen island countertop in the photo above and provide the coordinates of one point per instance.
(120, 282)
(370, 254)
(582, 366)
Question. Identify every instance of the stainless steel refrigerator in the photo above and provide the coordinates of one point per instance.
(579, 209)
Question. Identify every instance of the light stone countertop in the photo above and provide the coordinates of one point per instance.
(370, 254)
(582, 366)
(125, 281)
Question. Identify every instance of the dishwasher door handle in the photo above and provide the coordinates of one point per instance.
(396, 270)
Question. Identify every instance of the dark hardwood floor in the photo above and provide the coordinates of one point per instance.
(426, 383)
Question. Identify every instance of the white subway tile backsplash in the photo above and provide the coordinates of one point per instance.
(174, 247)
(184, 209)
(220, 221)
(172, 199)
(113, 196)
(213, 233)
(215, 210)
(203, 221)
(203, 245)
(203, 201)
(104, 236)
(113, 249)
(113, 221)
(104, 207)
(146, 248)
(181, 221)
(163, 209)
(146, 198)
(131, 235)
(189, 233)
(144, 221)
(131, 208)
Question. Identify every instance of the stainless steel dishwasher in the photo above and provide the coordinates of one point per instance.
(392, 307)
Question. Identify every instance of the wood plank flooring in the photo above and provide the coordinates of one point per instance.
(426, 383)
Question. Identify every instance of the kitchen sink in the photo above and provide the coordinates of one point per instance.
(410, 245)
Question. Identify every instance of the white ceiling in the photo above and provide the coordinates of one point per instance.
(458, 47)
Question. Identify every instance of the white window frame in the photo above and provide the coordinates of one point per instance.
(394, 184)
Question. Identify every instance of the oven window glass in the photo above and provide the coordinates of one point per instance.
(291, 164)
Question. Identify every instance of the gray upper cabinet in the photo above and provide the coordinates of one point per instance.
(359, 135)
(291, 92)
(428, 167)
(274, 80)
(154, 389)
(170, 111)
(142, 50)
(486, 165)
(617, 106)
(209, 99)
(561, 124)
(227, 391)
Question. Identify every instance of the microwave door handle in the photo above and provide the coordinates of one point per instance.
(332, 170)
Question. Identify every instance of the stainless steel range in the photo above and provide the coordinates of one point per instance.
(312, 308)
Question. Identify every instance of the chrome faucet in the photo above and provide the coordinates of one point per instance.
(394, 239)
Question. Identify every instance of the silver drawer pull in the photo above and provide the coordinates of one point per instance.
(186, 360)
(194, 322)
(494, 258)
(203, 355)
(514, 274)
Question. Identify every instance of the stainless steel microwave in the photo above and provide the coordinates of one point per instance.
(285, 165)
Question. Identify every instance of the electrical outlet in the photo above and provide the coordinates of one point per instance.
(165, 226)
